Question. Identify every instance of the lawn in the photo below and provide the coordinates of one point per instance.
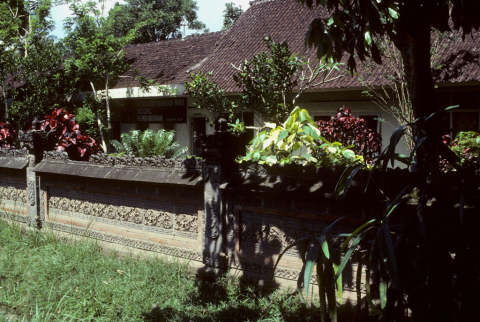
(46, 278)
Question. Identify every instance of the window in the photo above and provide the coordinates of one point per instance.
(169, 126)
(372, 122)
(319, 118)
(248, 120)
(464, 118)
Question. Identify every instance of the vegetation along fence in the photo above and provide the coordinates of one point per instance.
(218, 214)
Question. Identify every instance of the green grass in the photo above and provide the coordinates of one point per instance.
(46, 278)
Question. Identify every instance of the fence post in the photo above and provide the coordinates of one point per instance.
(34, 140)
(219, 153)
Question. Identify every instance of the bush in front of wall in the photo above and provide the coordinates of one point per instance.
(7, 136)
(352, 131)
(67, 137)
(466, 147)
(149, 144)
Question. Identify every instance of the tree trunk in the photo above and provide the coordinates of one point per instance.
(107, 103)
(7, 116)
(414, 44)
(426, 299)
(99, 122)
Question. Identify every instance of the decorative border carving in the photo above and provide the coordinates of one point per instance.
(230, 224)
(102, 159)
(43, 195)
(213, 229)
(17, 217)
(131, 161)
(13, 194)
(55, 156)
(283, 273)
(31, 191)
(130, 242)
(21, 153)
(177, 220)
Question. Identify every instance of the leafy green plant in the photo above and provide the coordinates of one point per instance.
(323, 256)
(416, 239)
(352, 131)
(209, 95)
(267, 83)
(150, 144)
(298, 140)
(66, 136)
(467, 148)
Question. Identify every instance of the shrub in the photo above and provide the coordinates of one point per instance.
(298, 140)
(352, 131)
(7, 135)
(67, 137)
(467, 148)
(149, 144)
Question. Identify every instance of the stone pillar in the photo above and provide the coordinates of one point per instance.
(34, 140)
(218, 154)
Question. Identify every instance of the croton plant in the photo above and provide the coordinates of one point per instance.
(67, 136)
(352, 131)
(7, 136)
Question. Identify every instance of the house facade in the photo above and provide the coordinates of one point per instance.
(170, 63)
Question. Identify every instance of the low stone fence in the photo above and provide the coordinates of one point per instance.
(217, 214)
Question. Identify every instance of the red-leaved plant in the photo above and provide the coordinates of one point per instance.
(67, 136)
(352, 131)
(7, 136)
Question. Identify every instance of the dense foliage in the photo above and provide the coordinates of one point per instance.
(153, 20)
(230, 15)
(65, 135)
(298, 140)
(267, 83)
(404, 254)
(352, 131)
(209, 95)
(7, 136)
(95, 58)
(467, 148)
(149, 144)
(30, 62)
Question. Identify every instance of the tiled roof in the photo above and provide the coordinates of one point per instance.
(171, 62)
(167, 62)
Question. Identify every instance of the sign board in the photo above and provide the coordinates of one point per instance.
(166, 110)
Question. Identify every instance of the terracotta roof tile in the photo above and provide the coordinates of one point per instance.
(167, 61)
(171, 62)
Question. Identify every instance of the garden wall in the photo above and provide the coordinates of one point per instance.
(217, 214)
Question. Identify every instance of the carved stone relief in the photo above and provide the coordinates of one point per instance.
(147, 215)
(31, 191)
(230, 223)
(186, 223)
(158, 219)
(130, 242)
(15, 195)
(42, 204)
(270, 234)
(212, 227)
(130, 214)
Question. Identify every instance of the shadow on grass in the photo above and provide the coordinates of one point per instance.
(231, 299)
(243, 300)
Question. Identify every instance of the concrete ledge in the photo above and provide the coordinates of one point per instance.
(131, 174)
(13, 163)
